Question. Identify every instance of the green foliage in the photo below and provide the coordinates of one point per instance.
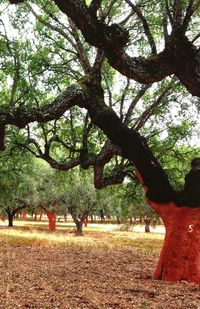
(80, 195)
(18, 179)
(88, 2)
(40, 57)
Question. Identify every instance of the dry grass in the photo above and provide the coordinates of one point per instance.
(105, 269)
(35, 234)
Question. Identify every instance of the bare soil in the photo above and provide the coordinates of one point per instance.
(70, 277)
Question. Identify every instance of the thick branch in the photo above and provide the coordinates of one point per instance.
(133, 147)
(113, 39)
(20, 116)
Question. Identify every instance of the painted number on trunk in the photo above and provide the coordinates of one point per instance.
(190, 230)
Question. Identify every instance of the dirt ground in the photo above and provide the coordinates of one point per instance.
(70, 277)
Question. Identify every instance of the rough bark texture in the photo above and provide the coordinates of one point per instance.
(179, 57)
(131, 144)
(180, 255)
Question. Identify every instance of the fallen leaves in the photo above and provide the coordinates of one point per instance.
(70, 277)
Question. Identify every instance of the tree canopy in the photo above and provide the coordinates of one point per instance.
(128, 68)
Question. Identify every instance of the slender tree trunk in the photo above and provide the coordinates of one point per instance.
(52, 220)
(180, 255)
(85, 221)
(24, 215)
(79, 228)
(10, 219)
(92, 218)
(118, 219)
(147, 228)
(41, 214)
(147, 222)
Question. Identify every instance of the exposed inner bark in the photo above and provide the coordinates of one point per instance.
(180, 255)
(52, 220)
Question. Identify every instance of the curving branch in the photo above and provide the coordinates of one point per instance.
(179, 57)
(79, 48)
(134, 103)
(146, 27)
(149, 111)
(51, 26)
(113, 39)
(21, 116)
(132, 145)
(193, 6)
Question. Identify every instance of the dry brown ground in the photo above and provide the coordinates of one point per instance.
(77, 277)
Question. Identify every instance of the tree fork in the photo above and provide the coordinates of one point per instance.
(133, 147)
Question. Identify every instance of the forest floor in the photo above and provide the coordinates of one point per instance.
(101, 270)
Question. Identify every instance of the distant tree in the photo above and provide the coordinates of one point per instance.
(18, 182)
(80, 199)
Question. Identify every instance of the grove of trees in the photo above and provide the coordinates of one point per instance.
(110, 86)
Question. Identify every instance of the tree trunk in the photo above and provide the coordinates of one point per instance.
(118, 219)
(24, 215)
(91, 218)
(180, 255)
(85, 222)
(52, 220)
(79, 228)
(10, 219)
(41, 214)
(147, 228)
(147, 222)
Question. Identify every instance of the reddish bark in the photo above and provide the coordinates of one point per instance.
(85, 222)
(180, 255)
(52, 220)
(24, 215)
(41, 214)
(2, 217)
(35, 217)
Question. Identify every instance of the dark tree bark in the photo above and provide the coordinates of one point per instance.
(179, 57)
(10, 218)
(147, 222)
(11, 213)
(78, 220)
(79, 228)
